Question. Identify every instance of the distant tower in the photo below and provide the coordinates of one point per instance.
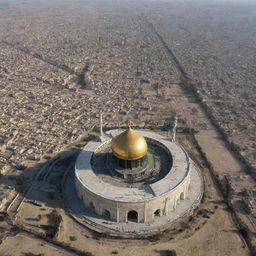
(174, 128)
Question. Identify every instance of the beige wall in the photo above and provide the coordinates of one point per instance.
(118, 210)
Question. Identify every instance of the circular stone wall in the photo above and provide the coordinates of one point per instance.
(143, 204)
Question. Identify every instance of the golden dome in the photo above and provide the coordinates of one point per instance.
(129, 145)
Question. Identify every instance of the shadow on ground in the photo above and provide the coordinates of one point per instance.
(166, 252)
(42, 183)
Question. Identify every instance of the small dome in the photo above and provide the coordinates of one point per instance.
(129, 145)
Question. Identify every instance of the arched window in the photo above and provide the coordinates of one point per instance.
(91, 206)
(182, 196)
(132, 216)
(106, 213)
(157, 213)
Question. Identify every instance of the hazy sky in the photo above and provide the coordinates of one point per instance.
(210, 1)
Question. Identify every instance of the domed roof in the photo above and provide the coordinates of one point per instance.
(129, 145)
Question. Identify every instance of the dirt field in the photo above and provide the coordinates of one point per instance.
(215, 149)
(16, 246)
(213, 238)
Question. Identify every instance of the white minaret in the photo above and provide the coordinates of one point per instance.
(174, 128)
(101, 129)
(169, 133)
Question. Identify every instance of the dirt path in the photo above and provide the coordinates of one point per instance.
(218, 154)
(221, 158)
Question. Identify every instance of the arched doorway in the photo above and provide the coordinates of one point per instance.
(106, 213)
(91, 206)
(132, 216)
(182, 196)
(157, 213)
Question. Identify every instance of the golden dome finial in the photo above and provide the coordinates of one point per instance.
(129, 122)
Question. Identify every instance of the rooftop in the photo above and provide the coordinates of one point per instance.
(93, 183)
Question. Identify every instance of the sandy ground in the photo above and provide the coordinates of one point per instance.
(216, 151)
(16, 246)
(222, 160)
(213, 238)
